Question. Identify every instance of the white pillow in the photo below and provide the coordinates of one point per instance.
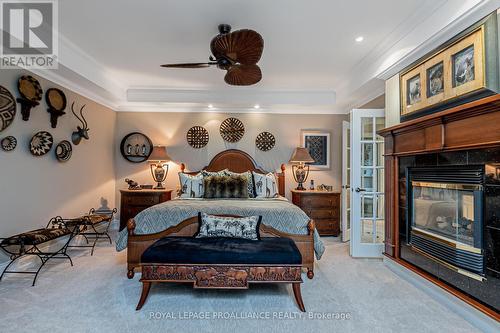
(191, 185)
(266, 186)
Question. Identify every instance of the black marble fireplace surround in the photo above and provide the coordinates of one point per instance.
(486, 291)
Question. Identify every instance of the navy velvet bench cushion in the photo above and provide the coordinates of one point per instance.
(220, 262)
(221, 250)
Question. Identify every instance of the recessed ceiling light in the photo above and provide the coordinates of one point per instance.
(210, 106)
(359, 39)
(256, 106)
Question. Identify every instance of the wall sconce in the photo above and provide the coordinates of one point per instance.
(158, 164)
(298, 160)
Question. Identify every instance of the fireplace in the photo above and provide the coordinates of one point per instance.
(445, 216)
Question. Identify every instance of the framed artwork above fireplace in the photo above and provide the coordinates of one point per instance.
(463, 69)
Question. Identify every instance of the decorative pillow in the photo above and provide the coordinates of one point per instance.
(206, 173)
(225, 187)
(248, 175)
(266, 186)
(191, 186)
(232, 227)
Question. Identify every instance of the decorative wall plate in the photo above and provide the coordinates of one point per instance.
(265, 141)
(197, 137)
(7, 108)
(9, 143)
(41, 143)
(56, 101)
(31, 94)
(136, 147)
(232, 130)
(63, 151)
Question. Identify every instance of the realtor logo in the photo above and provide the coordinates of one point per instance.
(29, 34)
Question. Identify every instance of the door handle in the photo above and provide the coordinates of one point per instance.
(346, 186)
(360, 189)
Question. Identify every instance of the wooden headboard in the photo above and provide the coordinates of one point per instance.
(238, 161)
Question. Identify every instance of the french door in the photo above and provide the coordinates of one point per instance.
(346, 181)
(367, 183)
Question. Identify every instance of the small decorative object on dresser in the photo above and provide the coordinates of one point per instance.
(41, 143)
(56, 101)
(298, 160)
(323, 207)
(81, 132)
(132, 185)
(31, 94)
(265, 141)
(7, 108)
(197, 137)
(136, 147)
(232, 130)
(134, 202)
(9, 143)
(63, 151)
(159, 166)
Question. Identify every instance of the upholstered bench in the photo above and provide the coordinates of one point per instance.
(222, 263)
(28, 244)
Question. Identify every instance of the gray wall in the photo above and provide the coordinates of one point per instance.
(170, 129)
(33, 189)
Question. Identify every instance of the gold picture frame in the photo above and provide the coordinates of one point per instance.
(459, 71)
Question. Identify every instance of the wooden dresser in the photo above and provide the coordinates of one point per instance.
(321, 206)
(135, 201)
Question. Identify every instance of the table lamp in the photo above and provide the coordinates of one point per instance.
(298, 160)
(158, 164)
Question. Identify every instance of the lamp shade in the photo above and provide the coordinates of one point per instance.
(301, 155)
(159, 154)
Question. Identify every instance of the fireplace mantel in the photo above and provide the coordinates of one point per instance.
(471, 125)
(474, 125)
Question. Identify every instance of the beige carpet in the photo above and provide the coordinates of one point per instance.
(346, 295)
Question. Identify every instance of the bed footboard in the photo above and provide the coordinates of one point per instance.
(137, 244)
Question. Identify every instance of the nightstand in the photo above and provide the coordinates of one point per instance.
(321, 206)
(135, 201)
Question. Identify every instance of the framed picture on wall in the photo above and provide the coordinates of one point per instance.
(463, 69)
(318, 144)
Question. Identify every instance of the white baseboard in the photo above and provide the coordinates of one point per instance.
(466, 311)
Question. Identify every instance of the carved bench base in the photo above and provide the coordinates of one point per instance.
(221, 277)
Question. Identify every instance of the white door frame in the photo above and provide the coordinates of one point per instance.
(346, 181)
(375, 246)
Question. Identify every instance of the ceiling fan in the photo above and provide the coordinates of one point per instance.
(236, 52)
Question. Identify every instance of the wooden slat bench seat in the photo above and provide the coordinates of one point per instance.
(226, 263)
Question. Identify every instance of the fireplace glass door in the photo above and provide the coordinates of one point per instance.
(448, 212)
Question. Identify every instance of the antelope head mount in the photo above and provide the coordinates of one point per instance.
(82, 131)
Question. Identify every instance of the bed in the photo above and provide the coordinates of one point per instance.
(179, 217)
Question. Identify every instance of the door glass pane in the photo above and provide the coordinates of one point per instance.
(348, 158)
(367, 154)
(380, 154)
(380, 180)
(367, 128)
(348, 138)
(348, 198)
(367, 179)
(348, 219)
(380, 231)
(366, 231)
(380, 124)
(367, 206)
(380, 206)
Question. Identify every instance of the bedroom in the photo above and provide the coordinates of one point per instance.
(329, 79)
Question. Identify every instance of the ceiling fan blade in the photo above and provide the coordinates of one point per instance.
(243, 75)
(243, 46)
(190, 65)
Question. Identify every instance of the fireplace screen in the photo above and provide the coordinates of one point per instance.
(448, 212)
